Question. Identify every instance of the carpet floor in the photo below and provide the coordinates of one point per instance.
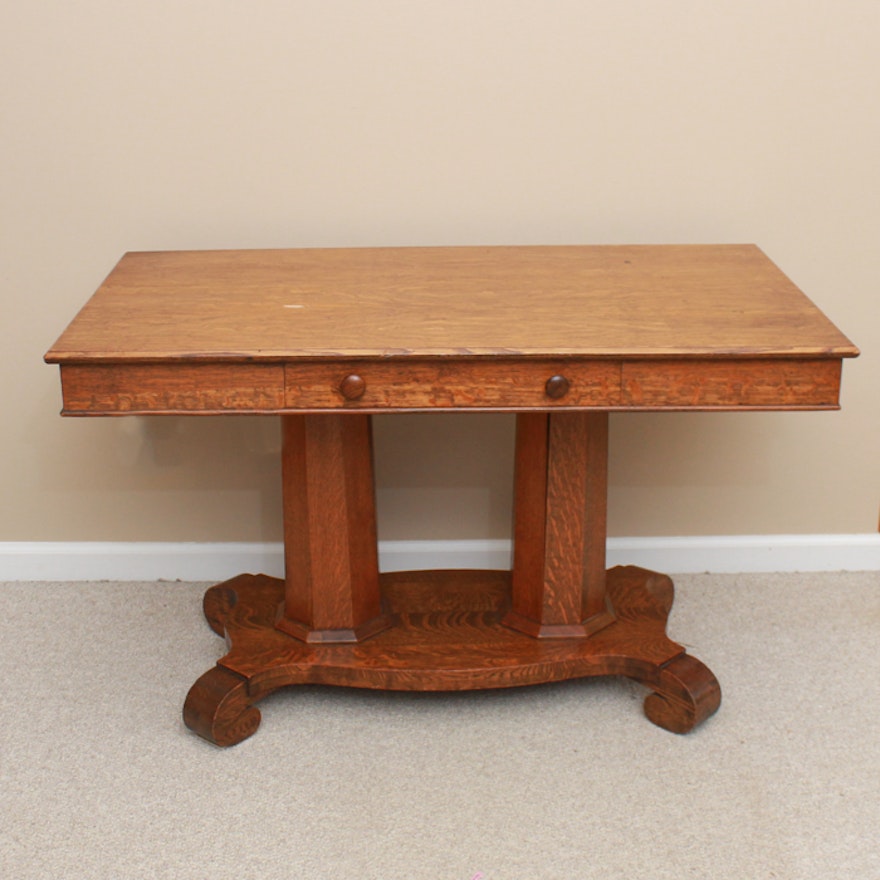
(100, 779)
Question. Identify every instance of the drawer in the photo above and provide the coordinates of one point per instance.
(452, 384)
(783, 383)
(108, 389)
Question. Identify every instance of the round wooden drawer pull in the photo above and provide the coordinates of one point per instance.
(352, 387)
(556, 387)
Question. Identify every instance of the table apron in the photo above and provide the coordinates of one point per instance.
(404, 385)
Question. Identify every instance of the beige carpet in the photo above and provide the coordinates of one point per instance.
(99, 778)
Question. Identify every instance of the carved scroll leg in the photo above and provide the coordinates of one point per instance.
(218, 708)
(217, 605)
(686, 694)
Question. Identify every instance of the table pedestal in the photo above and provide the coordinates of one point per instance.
(335, 620)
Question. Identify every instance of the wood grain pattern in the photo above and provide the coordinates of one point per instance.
(625, 327)
(560, 335)
(560, 496)
(461, 383)
(331, 555)
(448, 635)
(731, 384)
(467, 384)
(582, 301)
(685, 694)
(153, 389)
(219, 708)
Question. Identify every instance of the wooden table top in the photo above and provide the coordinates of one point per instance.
(474, 328)
(648, 301)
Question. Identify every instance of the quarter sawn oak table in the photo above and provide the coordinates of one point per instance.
(559, 335)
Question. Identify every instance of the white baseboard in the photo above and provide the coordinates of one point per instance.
(144, 561)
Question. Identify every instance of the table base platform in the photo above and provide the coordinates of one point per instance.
(445, 632)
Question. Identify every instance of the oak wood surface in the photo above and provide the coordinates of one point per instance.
(733, 384)
(124, 389)
(648, 301)
(447, 636)
(560, 500)
(207, 388)
(455, 383)
(331, 553)
(561, 335)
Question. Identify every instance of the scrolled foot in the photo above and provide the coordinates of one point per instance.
(219, 602)
(686, 694)
(218, 708)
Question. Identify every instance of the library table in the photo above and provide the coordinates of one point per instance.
(561, 336)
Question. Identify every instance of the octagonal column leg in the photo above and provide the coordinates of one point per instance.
(560, 497)
(330, 543)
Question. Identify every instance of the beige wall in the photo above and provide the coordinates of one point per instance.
(166, 125)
